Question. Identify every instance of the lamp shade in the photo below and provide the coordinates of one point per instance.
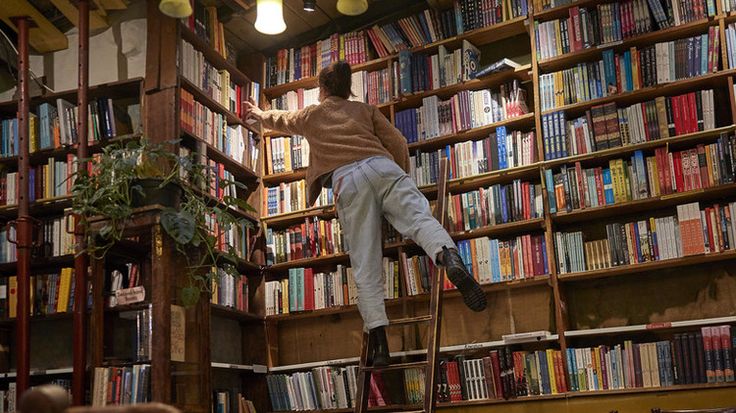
(177, 9)
(270, 16)
(352, 7)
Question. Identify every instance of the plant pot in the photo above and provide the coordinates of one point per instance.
(153, 194)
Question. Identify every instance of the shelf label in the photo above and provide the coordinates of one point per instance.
(125, 296)
(655, 326)
(472, 346)
(259, 368)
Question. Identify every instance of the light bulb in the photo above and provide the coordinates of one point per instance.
(270, 16)
(352, 7)
(177, 9)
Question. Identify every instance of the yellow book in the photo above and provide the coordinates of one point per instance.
(12, 296)
(287, 154)
(598, 367)
(269, 156)
(625, 179)
(708, 163)
(342, 46)
(635, 67)
(558, 37)
(551, 369)
(285, 296)
(33, 132)
(65, 283)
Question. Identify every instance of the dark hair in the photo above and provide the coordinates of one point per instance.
(335, 79)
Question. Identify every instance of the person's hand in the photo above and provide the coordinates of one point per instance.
(252, 111)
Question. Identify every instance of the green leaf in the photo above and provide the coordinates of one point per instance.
(180, 225)
(190, 296)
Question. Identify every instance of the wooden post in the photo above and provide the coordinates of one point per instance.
(24, 226)
(81, 261)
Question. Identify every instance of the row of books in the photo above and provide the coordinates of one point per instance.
(216, 84)
(51, 239)
(286, 154)
(421, 72)
(56, 125)
(307, 290)
(228, 290)
(687, 358)
(120, 277)
(414, 385)
(121, 385)
(631, 70)
(49, 294)
(728, 6)
(236, 142)
(609, 23)
(691, 231)
(236, 238)
(224, 400)
(8, 398)
(46, 181)
(731, 44)
(296, 99)
(205, 23)
(373, 88)
(314, 238)
(608, 126)
(498, 204)
(413, 31)
(642, 177)
(500, 150)
(292, 197)
(466, 110)
(502, 374)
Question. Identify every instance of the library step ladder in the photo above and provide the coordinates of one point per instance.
(434, 318)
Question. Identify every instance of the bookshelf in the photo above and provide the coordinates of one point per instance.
(551, 301)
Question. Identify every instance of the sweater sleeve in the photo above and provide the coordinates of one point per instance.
(391, 139)
(291, 122)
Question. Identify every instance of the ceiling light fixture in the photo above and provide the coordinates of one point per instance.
(310, 5)
(270, 16)
(352, 7)
(177, 9)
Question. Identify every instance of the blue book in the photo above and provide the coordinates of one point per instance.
(608, 186)
(641, 174)
(495, 265)
(544, 255)
(16, 145)
(704, 54)
(571, 369)
(503, 159)
(504, 208)
(544, 372)
(549, 183)
(629, 74)
(609, 65)
(405, 71)
(637, 242)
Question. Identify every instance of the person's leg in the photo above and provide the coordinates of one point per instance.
(407, 209)
(360, 216)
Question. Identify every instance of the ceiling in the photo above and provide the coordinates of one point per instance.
(304, 27)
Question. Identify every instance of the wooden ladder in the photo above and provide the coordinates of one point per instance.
(434, 319)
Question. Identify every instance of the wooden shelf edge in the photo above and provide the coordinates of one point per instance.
(648, 266)
(651, 327)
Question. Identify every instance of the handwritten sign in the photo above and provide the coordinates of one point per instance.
(133, 295)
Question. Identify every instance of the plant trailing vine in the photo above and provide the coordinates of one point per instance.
(107, 192)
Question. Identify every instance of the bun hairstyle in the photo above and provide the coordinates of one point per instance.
(335, 79)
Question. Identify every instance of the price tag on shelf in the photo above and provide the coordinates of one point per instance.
(259, 368)
(655, 326)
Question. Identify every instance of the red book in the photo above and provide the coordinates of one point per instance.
(618, 73)
(560, 378)
(599, 186)
(308, 289)
(582, 190)
(496, 366)
(715, 336)
(575, 29)
(677, 164)
(693, 112)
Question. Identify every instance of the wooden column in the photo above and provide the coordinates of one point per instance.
(81, 261)
(24, 225)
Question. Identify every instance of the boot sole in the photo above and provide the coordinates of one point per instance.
(473, 295)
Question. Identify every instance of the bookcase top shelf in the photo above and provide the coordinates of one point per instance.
(674, 32)
(562, 11)
(651, 327)
(478, 37)
(717, 79)
(212, 56)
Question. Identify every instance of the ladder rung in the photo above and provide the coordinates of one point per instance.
(410, 320)
(400, 366)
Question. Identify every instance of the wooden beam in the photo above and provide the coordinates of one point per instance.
(96, 21)
(45, 37)
(100, 7)
(114, 4)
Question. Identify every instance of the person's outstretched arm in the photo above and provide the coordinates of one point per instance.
(285, 121)
(391, 139)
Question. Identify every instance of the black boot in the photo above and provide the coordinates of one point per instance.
(379, 350)
(458, 275)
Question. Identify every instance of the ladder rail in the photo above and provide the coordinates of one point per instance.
(434, 319)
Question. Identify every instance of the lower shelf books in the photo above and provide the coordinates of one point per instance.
(495, 205)
(691, 231)
(8, 250)
(642, 177)
(322, 388)
(8, 398)
(229, 290)
(502, 374)
(705, 356)
(119, 278)
(121, 385)
(414, 386)
(292, 197)
(286, 154)
(373, 88)
(46, 181)
(225, 400)
(606, 126)
(315, 238)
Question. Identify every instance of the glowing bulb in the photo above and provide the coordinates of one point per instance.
(177, 9)
(352, 7)
(270, 16)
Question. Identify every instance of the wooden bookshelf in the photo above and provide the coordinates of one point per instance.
(272, 179)
(519, 122)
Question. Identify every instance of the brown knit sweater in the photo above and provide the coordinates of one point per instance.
(339, 132)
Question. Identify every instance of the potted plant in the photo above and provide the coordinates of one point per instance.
(125, 177)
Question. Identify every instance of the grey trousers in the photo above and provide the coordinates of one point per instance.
(366, 191)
